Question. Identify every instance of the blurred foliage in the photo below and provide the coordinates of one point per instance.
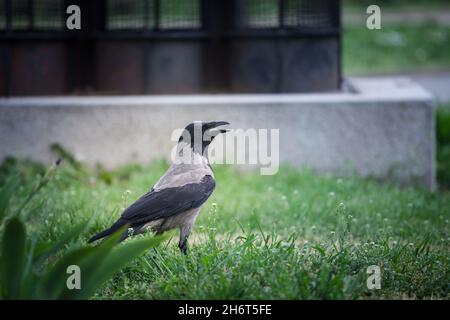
(64, 154)
(396, 49)
(443, 146)
(397, 4)
(32, 268)
(443, 125)
(24, 169)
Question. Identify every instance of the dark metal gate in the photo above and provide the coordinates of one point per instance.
(170, 46)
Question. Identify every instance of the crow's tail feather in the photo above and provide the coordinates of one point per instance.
(110, 231)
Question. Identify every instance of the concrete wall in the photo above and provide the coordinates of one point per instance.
(383, 128)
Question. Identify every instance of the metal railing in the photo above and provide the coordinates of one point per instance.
(159, 15)
(225, 38)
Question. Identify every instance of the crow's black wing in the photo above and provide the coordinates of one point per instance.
(168, 202)
(162, 204)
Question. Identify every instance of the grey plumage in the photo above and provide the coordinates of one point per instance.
(176, 199)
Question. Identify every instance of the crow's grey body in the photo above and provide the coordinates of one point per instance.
(173, 202)
(198, 179)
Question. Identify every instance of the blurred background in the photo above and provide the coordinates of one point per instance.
(248, 46)
(414, 38)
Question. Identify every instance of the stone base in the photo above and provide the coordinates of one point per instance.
(382, 128)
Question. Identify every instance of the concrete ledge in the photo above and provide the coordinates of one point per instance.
(382, 128)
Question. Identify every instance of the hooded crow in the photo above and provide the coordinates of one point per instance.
(176, 199)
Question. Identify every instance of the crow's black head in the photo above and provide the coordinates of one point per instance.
(200, 134)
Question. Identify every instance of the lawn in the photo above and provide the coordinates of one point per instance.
(401, 5)
(295, 235)
(396, 48)
(443, 146)
(401, 47)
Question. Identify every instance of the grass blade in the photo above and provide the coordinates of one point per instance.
(115, 260)
(13, 258)
(5, 196)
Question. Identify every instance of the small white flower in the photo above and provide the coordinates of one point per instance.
(130, 232)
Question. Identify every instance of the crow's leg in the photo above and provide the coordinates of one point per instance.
(183, 245)
(184, 234)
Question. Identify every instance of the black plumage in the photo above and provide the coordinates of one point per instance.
(160, 204)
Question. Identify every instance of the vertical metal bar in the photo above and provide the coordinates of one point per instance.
(72, 81)
(102, 13)
(157, 14)
(218, 18)
(65, 5)
(278, 43)
(30, 14)
(281, 9)
(203, 14)
(298, 14)
(9, 13)
(146, 48)
(8, 68)
(7, 49)
(63, 15)
(146, 24)
(238, 14)
(335, 12)
(335, 7)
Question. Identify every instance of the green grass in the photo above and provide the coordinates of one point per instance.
(34, 268)
(396, 4)
(443, 146)
(396, 49)
(295, 235)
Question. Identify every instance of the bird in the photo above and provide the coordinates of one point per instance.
(178, 196)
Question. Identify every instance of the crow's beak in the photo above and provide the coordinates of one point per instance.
(215, 124)
(211, 127)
